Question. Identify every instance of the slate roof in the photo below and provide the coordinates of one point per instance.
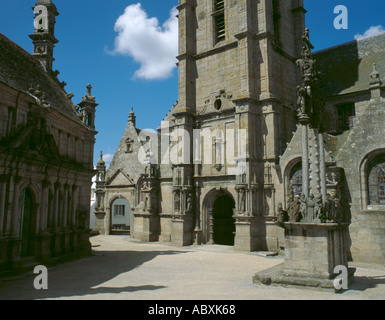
(20, 70)
(346, 68)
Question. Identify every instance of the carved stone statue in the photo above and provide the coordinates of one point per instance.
(282, 216)
(242, 201)
(311, 203)
(317, 206)
(176, 202)
(303, 207)
(188, 204)
(301, 102)
(293, 210)
(306, 45)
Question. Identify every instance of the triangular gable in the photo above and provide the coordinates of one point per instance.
(30, 138)
(119, 178)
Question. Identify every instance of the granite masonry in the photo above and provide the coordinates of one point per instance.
(236, 141)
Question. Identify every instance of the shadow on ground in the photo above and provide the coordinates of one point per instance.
(362, 283)
(83, 277)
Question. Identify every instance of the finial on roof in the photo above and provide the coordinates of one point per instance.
(375, 82)
(89, 87)
(101, 161)
(132, 117)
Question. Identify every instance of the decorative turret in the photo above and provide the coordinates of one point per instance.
(375, 83)
(88, 109)
(101, 168)
(44, 35)
(132, 117)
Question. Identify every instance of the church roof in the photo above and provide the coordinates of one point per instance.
(346, 68)
(20, 70)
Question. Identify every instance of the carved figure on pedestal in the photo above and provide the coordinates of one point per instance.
(188, 204)
(338, 216)
(306, 45)
(282, 216)
(303, 207)
(311, 203)
(176, 202)
(317, 206)
(301, 102)
(242, 201)
(293, 210)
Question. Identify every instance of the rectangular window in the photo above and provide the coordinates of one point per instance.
(219, 20)
(119, 210)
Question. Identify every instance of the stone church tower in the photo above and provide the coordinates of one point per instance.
(237, 72)
(228, 162)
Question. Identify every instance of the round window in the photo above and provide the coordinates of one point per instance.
(218, 104)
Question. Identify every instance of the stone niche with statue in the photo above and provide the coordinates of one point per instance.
(315, 223)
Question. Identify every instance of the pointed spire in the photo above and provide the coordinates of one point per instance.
(101, 162)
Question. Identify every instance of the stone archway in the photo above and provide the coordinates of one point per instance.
(217, 217)
(224, 223)
(120, 215)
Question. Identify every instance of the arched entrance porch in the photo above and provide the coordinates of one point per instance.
(120, 211)
(218, 216)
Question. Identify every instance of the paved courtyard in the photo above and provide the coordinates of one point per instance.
(125, 269)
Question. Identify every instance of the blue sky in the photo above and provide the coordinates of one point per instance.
(109, 45)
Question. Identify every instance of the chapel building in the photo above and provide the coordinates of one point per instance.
(226, 160)
(46, 154)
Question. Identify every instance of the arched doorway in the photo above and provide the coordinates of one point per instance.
(26, 222)
(120, 215)
(224, 223)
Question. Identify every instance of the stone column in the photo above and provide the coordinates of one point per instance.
(56, 205)
(15, 211)
(74, 206)
(322, 167)
(43, 250)
(44, 206)
(305, 160)
(65, 205)
(3, 187)
(211, 226)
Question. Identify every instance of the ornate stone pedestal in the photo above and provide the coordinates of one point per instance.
(146, 227)
(248, 237)
(312, 251)
(181, 226)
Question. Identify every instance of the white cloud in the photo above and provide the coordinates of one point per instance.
(370, 32)
(153, 46)
(108, 157)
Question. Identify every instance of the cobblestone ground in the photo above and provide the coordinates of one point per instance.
(125, 269)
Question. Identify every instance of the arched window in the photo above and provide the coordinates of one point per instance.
(376, 180)
(296, 179)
